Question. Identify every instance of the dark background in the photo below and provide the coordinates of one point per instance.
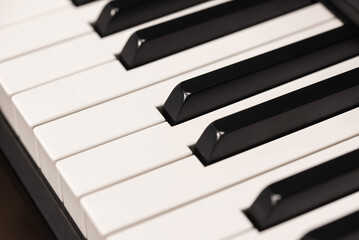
(19, 218)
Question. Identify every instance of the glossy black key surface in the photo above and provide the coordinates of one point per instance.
(164, 39)
(122, 14)
(81, 2)
(278, 117)
(306, 191)
(346, 228)
(354, 3)
(230, 84)
(347, 10)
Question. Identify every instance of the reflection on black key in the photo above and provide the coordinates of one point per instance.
(122, 14)
(346, 228)
(164, 39)
(81, 2)
(305, 191)
(216, 89)
(278, 117)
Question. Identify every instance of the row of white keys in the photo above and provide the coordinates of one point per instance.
(48, 64)
(52, 28)
(159, 191)
(77, 178)
(296, 228)
(118, 82)
(11, 12)
(76, 92)
(220, 215)
(120, 160)
(66, 23)
(77, 171)
(119, 117)
(66, 58)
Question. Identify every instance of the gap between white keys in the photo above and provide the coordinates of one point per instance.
(66, 58)
(82, 90)
(220, 215)
(14, 11)
(75, 170)
(122, 205)
(43, 31)
(105, 122)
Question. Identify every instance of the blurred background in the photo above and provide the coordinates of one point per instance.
(19, 218)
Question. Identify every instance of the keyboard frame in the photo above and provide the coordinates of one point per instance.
(36, 186)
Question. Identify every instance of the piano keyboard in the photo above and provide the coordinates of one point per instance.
(193, 119)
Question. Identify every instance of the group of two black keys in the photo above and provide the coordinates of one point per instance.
(273, 119)
(200, 95)
(262, 123)
(164, 39)
(276, 118)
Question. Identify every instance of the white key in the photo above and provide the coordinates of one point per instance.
(67, 58)
(100, 124)
(89, 133)
(40, 57)
(40, 32)
(155, 95)
(105, 82)
(296, 228)
(173, 185)
(49, 64)
(14, 11)
(61, 97)
(120, 160)
(52, 63)
(220, 215)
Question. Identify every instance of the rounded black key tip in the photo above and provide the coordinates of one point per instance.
(174, 105)
(205, 148)
(130, 56)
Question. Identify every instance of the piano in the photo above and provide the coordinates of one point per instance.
(184, 119)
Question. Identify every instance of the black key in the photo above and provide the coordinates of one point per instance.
(347, 10)
(81, 2)
(278, 117)
(305, 191)
(164, 39)
(219, 88)
(354, 3)
(122, 14)
(346, 228)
